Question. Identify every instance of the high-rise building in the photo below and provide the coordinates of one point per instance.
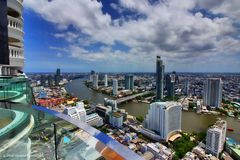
(159, 78)
(91, 75)
(95, 81)
(170, 81)
(43, 80)
(50, 81)
(213, 92)
(115, 87)
(106, 80)
(12, 56)
(186, 87)
(57, 77)
(164, 118)
(216, 136)
(129, 82)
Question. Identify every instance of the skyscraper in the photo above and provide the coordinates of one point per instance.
(170, 81)
(186, 87)
(50, 81)
(129, 82)
(43, 80)
(159, 78)
(164, 118)
(12, 56)
(106, 80)
(216, 136)
(213, 92)
(57, 76)
(115, 87)
(91, 75)
(95, 81)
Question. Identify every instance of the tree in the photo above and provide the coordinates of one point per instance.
(140, 118)
(85, 101)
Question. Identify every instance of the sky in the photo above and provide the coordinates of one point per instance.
(126, 35)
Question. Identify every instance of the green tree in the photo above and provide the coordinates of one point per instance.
(140, 118)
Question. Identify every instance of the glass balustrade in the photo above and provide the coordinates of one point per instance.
(34, 132)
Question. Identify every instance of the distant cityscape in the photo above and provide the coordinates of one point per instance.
(167, 94)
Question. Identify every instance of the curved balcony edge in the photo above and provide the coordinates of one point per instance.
(15, 5)
(105, 139)
(15, 33)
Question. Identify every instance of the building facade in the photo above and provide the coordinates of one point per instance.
(95, 81)
(116, 119)
(129, 82)
(213, 92)
(77, 112)
(170, 81)
(115, 87)
(164, 118)
(106, 80)
(159, 78)
(15, 38)
(216, 136)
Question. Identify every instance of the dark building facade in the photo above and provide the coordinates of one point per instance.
(159, 78)
(4, 50)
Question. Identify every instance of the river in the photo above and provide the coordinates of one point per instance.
(190, 120)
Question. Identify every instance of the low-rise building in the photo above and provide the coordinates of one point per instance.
(116, 119)
(94, 120)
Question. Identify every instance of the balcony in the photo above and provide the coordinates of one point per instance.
(15, 27)
(16, 56)
(34, 132)
(15, 5)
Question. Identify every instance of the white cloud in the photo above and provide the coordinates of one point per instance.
(166, 27)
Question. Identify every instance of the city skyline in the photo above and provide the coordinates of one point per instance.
(138, 32)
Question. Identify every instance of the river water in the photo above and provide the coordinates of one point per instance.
(190, 120)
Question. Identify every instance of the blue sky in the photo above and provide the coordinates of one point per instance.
(126, 36)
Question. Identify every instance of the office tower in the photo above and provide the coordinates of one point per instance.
(50, 81)
(13, 64)
(43, 80)
(106, 80)
(164, 118)
(170, 81)
(95, 81)
(159, 78)
(216, 136)
(213, 92)
(176, 77)
(57, 77)
(91, 75)
(186, 87)
(129, 82)
(115, 87)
